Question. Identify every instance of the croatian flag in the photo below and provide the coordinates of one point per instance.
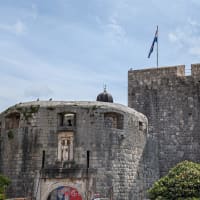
(154, 41)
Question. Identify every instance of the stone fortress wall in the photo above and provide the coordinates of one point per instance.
(94, 147)
(104, 148)
(171, 102)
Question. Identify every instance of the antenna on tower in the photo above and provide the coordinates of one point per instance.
(104, 87)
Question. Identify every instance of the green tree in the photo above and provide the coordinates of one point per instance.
(4, 182)
(182, 182)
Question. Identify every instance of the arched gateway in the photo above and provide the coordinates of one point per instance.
(64, 193)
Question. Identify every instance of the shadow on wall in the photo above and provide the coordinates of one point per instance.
(148, 169)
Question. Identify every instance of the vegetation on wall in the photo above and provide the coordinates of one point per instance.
(182, 182)
(28, 111)
(4, 182)
(10, 134)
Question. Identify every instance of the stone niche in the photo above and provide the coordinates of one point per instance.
(65, 146)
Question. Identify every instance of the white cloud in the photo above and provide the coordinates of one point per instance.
(193, 22)
(195, 51)
(34, 11)
(18, 28)
(116, 28)
(173, 37)
(187, 37)
(115, 31)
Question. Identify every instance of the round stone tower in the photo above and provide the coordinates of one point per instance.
(77, 150)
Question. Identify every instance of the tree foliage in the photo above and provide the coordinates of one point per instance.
(182, 182)
(4, 182)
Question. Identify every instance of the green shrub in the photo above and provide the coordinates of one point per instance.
(182, 182)
(10, 134)
(4, 182)
(2, 196)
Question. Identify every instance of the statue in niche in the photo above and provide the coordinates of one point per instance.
(65, 149)
(65, 146)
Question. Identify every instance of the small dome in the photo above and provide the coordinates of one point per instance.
(105, 97)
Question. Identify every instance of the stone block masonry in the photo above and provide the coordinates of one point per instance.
(171, 102)
(45, 146)
(88, 148)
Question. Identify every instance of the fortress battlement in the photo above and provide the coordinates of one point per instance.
(170, 98)
(163, 72)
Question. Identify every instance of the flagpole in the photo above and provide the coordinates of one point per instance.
(157, 47)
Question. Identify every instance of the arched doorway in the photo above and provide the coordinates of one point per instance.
(64, 193)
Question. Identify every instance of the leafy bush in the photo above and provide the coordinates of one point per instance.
(2, 196)
(4, 182)
(182, 182)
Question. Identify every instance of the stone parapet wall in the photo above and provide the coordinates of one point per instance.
(195, 70)
(171, 102)
(155, 74)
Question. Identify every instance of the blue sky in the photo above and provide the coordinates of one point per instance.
(67, 49)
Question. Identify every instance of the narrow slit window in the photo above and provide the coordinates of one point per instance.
(141, 126)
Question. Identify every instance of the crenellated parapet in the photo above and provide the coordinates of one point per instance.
(153, 74)
(195, 70)
(160, 72)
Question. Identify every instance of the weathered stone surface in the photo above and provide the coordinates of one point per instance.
(116, 149)
(171, 102)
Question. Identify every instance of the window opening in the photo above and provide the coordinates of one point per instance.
(141, 126)
(114, 120)
(67, 119)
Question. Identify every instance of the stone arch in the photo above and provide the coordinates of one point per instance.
(53, 186)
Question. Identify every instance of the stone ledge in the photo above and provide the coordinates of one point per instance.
(67, 173)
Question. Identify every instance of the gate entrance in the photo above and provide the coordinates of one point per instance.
(64, 193)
